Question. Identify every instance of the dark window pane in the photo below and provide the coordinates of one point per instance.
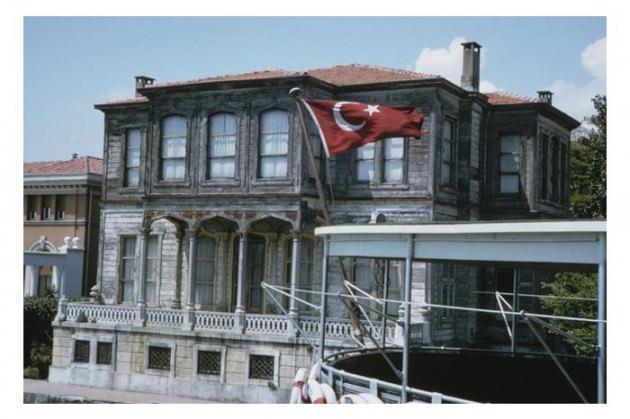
(209, 362)
(261, 367)
(81, 351)
(104, 353)
(159, 358)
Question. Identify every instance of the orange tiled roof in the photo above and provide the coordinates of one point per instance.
(340, 75)
(507, 98)
(79, 165)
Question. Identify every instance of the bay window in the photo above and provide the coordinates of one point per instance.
(222, 146)
(274, 144)
(173, 148)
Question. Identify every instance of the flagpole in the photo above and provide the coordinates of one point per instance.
(296, 92)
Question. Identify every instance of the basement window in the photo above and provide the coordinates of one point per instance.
(261, 367)
(159, 358)
(209, 362)
(104, 353)
(81, 351)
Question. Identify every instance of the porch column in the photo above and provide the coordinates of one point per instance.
(295, 276)
(176, 303)
(189, 317)
(143, 237)
(239, 314)
(34, 280)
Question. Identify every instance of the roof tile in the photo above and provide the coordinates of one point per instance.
(79, 165)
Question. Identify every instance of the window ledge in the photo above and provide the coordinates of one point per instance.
(220, 182)
(272, 181)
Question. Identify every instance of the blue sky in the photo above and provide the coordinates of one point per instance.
(72, 63)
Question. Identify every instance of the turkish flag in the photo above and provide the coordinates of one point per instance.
(346, 125)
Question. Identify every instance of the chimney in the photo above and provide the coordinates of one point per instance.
(74, 156)
(142, 81)
(470, 72)
(544, 96)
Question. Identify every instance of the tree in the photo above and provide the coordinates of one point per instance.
(588, 200)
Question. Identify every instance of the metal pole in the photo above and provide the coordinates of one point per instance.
(322, 313)
(385, 296)
(407, 319)
(601, 326)
(515, 307)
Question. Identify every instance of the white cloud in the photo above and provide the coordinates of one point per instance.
(575, 99)
(448, 62)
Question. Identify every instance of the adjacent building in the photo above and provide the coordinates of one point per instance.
(208, 193)
(61, 200)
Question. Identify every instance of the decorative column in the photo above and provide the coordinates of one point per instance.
(176, 303)
(189, 313)
(34, 280)
(143, 237)
(239, 314)
(62, 305)
(295, 273)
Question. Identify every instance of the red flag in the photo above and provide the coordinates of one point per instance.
(346, 125)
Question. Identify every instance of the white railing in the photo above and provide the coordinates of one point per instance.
(214, 321)
(342, 329)
(265, 323)
(164, 317)
(101, 313)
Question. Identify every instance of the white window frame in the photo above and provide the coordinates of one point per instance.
(401, 159)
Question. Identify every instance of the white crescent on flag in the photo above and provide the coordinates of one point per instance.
(339, 119)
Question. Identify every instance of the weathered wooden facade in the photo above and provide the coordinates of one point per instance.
(208, 193)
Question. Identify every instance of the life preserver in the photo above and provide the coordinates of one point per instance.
(351, 399)
(370, 398)
(329, 393)
(315, 393)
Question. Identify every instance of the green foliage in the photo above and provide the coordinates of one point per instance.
(573, 285)
(82, 318)
(588, 167)
(31, 372)
(39, 312)
(588, 200)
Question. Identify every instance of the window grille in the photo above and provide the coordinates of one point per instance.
(159, 358)
(82, 351)
(209, 362)
(261, 367)
(104, 353)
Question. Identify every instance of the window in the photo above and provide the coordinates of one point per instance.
(31, 207)
(222, 146)
(318, 152)
(545, 167)
(510, 179)
(209, 362)
(274, 144)
(204, 275)
(128, 268)
(256, 272)
(173, 147)
(306, 272)
(152, 269)
(396, 274)
(394, 159)
(447, 291)
(104, 353)
(364, 163)
(563, 174)
(159, 358)
(261, 367)
(555, 175)
(132, 157)
(44, 282)
(46, 207)
(448, 153)
(81, 351)
(60, 207)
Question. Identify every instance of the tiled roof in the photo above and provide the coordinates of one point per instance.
(79, 165)
(506, 98)
(340, 75)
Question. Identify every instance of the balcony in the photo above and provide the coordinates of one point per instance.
(338, 331)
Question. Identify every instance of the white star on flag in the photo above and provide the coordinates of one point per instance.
(371, 109)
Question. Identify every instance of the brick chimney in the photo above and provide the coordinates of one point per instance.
(142, 81)
(470, 72)
(545, 96)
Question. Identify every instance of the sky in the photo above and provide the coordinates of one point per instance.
(72, 63)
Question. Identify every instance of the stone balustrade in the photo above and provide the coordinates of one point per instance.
(261, 324)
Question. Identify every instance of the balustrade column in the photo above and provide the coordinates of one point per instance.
(239, 319)
(189, 319)
(143, 237)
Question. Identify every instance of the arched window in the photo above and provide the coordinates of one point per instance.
(173, 148)
(222, 146)
(204, 280)
(274, 144)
